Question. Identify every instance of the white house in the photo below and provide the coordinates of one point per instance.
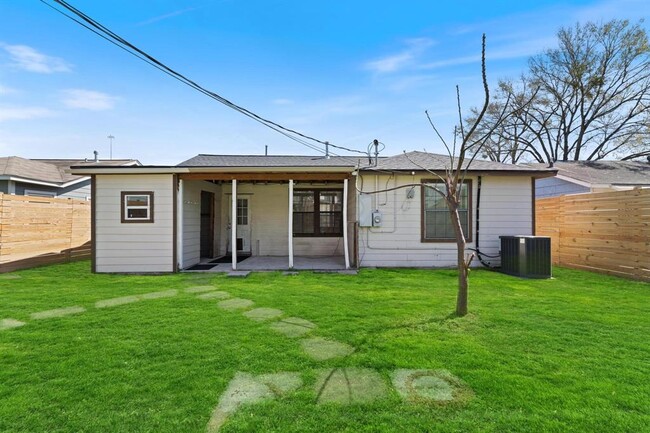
(298, 212)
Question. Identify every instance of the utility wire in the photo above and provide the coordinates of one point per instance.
(115, 39)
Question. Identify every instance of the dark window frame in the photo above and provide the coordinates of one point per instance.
(470, 214)
(123, 207)
(316, 214)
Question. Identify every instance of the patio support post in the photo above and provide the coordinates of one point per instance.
(179, 222)
(233, 225)
(345, 224)
(290, 228)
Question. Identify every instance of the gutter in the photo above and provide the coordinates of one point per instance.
(180, 170)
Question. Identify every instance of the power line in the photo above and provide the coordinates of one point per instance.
(107, 34)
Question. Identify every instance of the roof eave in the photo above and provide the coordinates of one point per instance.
(179, 170)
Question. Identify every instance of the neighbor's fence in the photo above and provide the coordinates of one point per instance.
(37, 231)
(602, 232)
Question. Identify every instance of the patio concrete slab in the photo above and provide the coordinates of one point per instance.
(262, 314)
(58, 312)
(214, 295)
(350, 385)
(321, 349)
(10, 323)
(235, 304)
(439, 386)
(200, 289)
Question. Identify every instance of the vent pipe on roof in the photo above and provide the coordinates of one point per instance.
(375, 142)
(266, 150)
(96, 155)
(327, 150)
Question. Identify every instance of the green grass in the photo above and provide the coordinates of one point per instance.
(567, 354)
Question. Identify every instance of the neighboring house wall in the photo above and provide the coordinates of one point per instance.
(192, 219)
(268, 225)
(80, 190)
(553, 187)
(4, 186)
(506, 209)
(133, 247)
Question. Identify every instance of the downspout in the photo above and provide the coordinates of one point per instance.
(478, 223)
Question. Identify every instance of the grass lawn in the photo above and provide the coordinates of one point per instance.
(568, 354)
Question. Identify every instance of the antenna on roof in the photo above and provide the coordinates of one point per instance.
(266, 150)
(375, 143)
(110, 138)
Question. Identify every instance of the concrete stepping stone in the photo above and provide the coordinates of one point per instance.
(10, 324)
(158, 295)
(9, 277)
(200, 289)
(321, 349)
(214, 295)
(293, 327)
(235, 304)
(245, 388)
(58, 312)
(350, 385)
(262, 314)
(438, 386)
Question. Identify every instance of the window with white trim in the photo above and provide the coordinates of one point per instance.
(436, 221)
(137, 207)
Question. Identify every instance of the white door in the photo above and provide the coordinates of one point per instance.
(243, 221)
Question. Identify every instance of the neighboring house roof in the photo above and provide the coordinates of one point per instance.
(623, 173)
(50, 171)
(203, 160)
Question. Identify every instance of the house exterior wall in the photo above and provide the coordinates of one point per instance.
(4, 186)
(553, 187)
(268, 223)
(191, 233)
(133, 247)
(506, 209)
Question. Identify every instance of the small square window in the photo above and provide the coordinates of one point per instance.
(137, 207)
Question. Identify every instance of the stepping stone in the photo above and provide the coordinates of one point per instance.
(235, 304)
(59, 312)
(262, 314)
(320, 349)
(293, 327)
(214, 295)
(282, 383)
(9, 277)
(114, 302)
(158, 295)
(199, 289)
(10, 324)
(439, 386)
(350, 385)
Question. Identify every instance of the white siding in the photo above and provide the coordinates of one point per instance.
(269, 218)
(133, 247)
(192, 219)
(506, 208)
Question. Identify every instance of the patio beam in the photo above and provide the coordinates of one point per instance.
(265, 176)
(233, 225)
(290, 228)
(346, 253)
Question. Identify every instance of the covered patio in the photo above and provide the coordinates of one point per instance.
(278, 263)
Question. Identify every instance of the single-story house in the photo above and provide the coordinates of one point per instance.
(579, 177)
(49, 177)
(299, 212)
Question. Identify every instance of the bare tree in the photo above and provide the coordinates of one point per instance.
(469, 142)
(587, 99)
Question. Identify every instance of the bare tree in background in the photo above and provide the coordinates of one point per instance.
(469, 143)
(588, 99)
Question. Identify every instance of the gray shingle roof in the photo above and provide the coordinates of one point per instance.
(203, 160)
(417, 161)
(604, 172)
(50, 170)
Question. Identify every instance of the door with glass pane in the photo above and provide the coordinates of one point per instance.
(243, 224)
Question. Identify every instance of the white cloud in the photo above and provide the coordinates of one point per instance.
(88, 100)
(29, 59)
(414, 47)
(24, 113)
(166, 16)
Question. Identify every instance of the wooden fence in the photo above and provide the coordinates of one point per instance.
(602, 232)
(36, 231)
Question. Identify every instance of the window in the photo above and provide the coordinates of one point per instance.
(39, 193)
(317, 213)
(436, 221)
(242, 211)
(137, 206)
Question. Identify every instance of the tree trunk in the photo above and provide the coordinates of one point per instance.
(463, 269)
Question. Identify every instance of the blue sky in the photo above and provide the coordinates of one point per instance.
(342, 71)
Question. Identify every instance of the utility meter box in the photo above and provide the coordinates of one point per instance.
(365, 210)
(376, 219)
